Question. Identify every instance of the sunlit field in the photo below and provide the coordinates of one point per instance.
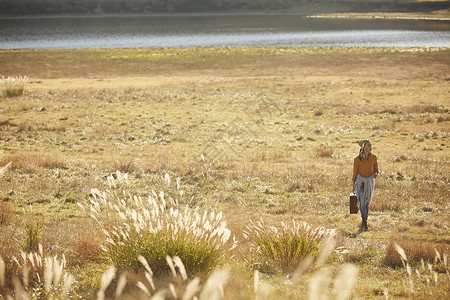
(223, 172)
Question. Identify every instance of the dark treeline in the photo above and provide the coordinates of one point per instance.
(135, 6)
(149, 6)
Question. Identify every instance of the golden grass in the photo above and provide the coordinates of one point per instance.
(28, 161)
(415, 251)
(13, 86)
(86, 246)
(278, 129)
(5, 213)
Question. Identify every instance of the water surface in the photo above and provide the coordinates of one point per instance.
(257, 30)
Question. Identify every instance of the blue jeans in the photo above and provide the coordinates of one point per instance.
(362, 203)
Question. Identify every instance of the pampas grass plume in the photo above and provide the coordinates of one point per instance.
(170, 263)
(318, 285)
(177, 261)
(302, 268)
(402, 253)
(256, 281)
(161, 295)
(68, 280)
(326, 248)
(19, 290)
(4, 168)
(107, 277)
(191, 289)
(213, 289)
(121, 285)
(144, 262)
(262, 290)
(344, 282)
(2, 271)
(143, 288)
(173, 291)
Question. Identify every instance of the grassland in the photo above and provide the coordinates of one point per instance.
(265, 133)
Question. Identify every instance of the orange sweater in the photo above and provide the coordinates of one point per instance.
(365, 168)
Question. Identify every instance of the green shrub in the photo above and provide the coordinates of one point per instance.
(155, 228)
(282, 249)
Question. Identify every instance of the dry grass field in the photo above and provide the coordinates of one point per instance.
(255, 133)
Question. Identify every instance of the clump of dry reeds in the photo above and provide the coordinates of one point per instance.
(5, 167)
(415, 251)
(177, 285)
(5, 212)
(29, 161)
(315, 276)
(156, 227)
(87, 246)
(34, 275)
(426, 275)
(324, 151)
(14, 86)
(5, 209)
(284, 248)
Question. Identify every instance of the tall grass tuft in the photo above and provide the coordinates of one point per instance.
(413, 252)
(425, 276)
(156, 227)
(30, 161)
(324, 151)
(87, 246)
(32, 237)
(176, 286)
(36, 277)
(14, 86)
(5, 167)
(5, 213)
(283, 249)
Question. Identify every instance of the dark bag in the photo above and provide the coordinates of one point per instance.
(353, 204)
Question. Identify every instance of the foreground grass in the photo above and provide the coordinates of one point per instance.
(255, 133)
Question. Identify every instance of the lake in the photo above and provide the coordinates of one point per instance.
(217, 30)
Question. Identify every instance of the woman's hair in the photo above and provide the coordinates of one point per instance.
(362, 154)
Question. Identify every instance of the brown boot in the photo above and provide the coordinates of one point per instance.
(361, 228)
(366, 227)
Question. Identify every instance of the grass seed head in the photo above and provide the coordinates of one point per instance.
(107, 277)
(318, 285)
(192, 288)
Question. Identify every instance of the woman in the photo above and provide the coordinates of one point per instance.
(365, 170)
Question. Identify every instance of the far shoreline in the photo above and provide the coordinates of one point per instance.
(386, 16)
(442, 15)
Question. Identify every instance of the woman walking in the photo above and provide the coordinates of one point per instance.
(365, 170)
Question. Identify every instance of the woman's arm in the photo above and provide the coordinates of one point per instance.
(355, 172)
(375, 168)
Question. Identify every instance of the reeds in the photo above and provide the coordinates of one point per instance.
(28, 161)
(5, 167)
(14, 86)
(31, 234)
(414, 251)
(87, 246)
(157, 227)
(5, 209)
(38, 277)
(177, 286)
(426, 275)
(283, 249)
(5, 213)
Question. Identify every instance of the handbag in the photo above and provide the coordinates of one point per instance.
(353, 204)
